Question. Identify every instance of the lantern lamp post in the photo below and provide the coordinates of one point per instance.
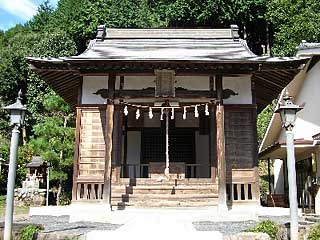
(17, 113)
(288, 112)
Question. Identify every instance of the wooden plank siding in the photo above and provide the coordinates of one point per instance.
(92, 143)
(90, 153)
(242, 172)
(241, 165)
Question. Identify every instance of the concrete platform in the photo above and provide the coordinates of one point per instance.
(139, 223)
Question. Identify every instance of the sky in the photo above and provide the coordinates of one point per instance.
(13, 12)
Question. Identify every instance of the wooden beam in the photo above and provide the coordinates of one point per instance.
(253, 91)
(80, 92)
(111, 85)
(219, 89)
(150, 93)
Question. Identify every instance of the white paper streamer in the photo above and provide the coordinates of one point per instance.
(138, 113)
(161, 115)
(196, 112)
(172, 113)
(150, 113)
(206, 110)
(125, 111)
(184, 116)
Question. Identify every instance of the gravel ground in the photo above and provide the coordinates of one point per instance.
(61, 224)
(228, 228)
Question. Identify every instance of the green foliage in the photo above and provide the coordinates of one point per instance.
(267, 227)
(263, 120)
(262, 124)
(4, 153)
(53, 137)
(314, 234)
(293, 21)
(42, 18)
(28, 232)
(65, 198)
(264, 179)
(24, 156)
(80, 18)
(2, 201)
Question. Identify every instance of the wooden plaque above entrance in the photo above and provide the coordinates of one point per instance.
(165, 83)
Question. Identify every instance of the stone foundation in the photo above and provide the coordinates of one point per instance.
(29, 197)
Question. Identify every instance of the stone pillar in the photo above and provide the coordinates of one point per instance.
(278, 176)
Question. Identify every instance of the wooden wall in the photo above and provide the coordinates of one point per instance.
(92, 142)
(89, 153)
(241, 150)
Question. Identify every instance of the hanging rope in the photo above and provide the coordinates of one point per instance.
(167, 108)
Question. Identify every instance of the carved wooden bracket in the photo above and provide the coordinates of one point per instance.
(180, 93)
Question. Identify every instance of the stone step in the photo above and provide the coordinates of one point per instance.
(167, 187)
(312, 219)
(149, 181)
(310, 215)
(305, 223)
(164, 189)
(167, 203)
(165, 192)
(129, 197)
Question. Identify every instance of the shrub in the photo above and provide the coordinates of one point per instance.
(267, 227)
(65, 198)
(314, 233)
(28, 232)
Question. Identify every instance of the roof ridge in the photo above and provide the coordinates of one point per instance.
(167, 33)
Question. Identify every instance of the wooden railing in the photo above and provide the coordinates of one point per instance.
(241, 191)
(242, 186)
(305, 196)
(135, 171)
(89, 190)
(197, 170)
(142, 170)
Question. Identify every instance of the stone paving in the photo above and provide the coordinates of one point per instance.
(139, 224)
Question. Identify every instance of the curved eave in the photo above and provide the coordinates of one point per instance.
(270, 75)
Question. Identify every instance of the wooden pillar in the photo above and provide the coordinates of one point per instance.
(75, 192)
(76, 156)
(109, 131)
(117, 142)
(256, 190)
(213, 143)
(222, 202)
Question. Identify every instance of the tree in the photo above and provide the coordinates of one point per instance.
(248, 15)
(53, 140)
(293, 21)
(80, 18)
(42, 18)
